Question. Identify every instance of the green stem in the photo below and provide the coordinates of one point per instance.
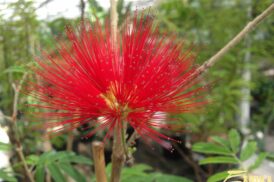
(123, 133)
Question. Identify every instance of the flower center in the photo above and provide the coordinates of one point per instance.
(113, 103)
(111, 100)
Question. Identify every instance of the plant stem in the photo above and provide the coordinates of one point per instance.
(132, 138)
(82, 9)
(19, 150)
(118, 155)
(70, 141)
(123, 133)
(114, 21)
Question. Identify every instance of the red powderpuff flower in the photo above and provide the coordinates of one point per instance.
(92, 81)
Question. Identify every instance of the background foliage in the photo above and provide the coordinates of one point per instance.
(207, 25)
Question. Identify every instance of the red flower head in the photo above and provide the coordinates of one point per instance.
(139, 81)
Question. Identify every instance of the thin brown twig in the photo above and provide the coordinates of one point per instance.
(82, 9)
(114, 21)
(12, 126)
(16, 95)
(43, 4)
(248, 28)
(190, 161)
(131, 141)
(70, 139)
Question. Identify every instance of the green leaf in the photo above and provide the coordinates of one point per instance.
(72, 172)
(258, 161)
(234, 140)
(5, 146)
(218, 160)
(79, 159)
(56, 173)
(7, 176)
(135, 178)
(218, 177)
(210, 148)
(60, 156)
(139, 170)
(248, 151)
(221, 141)
(40, 173)
(160, 177)
(142, 173)
(32, 159)
(108, 169)
(17, 69)
(136, 173)
(44, 158)
(56, 162)
(270, 156)
(64, 156)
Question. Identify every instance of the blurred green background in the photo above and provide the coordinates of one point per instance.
(242, 91)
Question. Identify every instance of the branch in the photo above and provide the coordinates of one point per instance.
(82, 9)
(114, 21)
(190, 161)
(118, 155)
(17, 90)
(132, 138)
(43, 4)
(248, 28)
(12, 126)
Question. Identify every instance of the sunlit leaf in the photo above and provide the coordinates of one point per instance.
(72, 172)
(248, 151)
(4, 146)
(210, 148)
(218, 160)
(40, 173)
(218, 177)
(234, 140)
(56, 173)
(258, 161)
(7, 176)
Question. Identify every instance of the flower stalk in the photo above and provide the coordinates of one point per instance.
(118, 151)
(118, 154)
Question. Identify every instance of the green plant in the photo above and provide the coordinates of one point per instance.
(58, 164)
(4, 146)
(229, 151)
(7, 175)
(145, 173)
